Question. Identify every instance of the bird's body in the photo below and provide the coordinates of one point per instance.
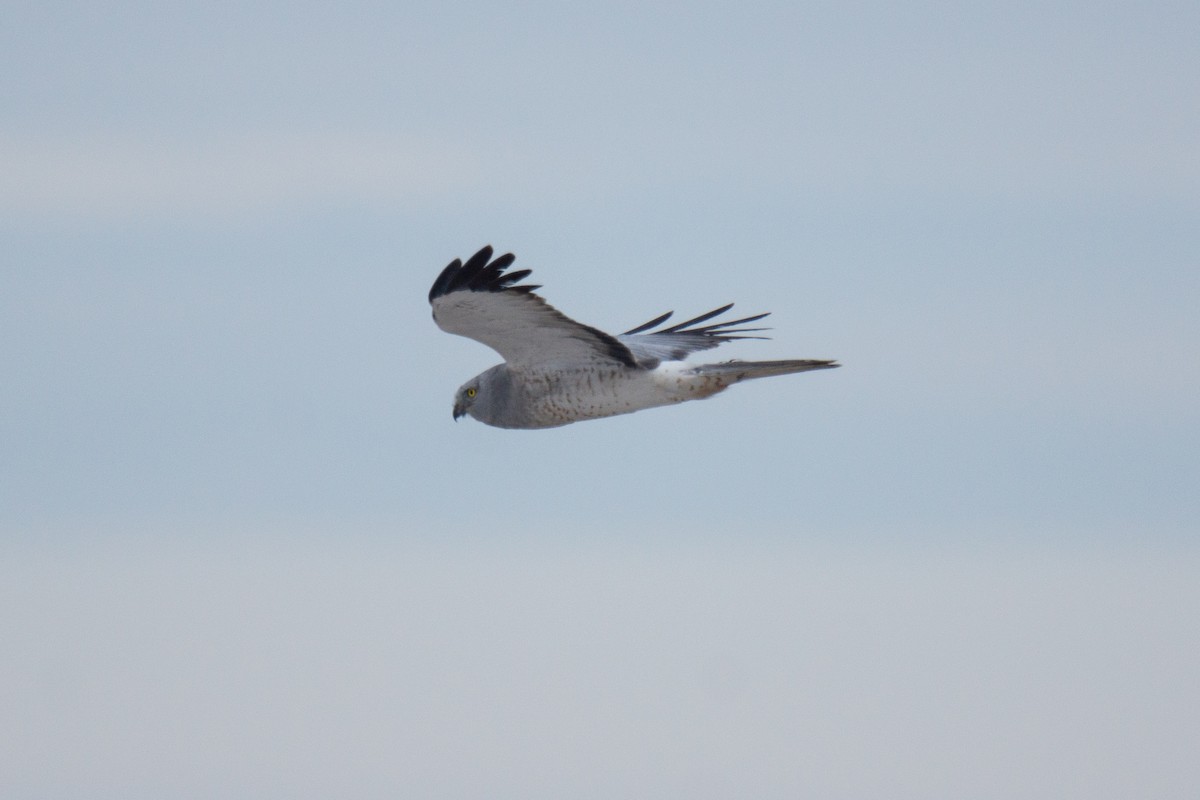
(558, 371)
(550, 398)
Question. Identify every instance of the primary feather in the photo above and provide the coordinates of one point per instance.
(679, 341)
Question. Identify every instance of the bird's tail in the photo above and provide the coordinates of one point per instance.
(734, 371)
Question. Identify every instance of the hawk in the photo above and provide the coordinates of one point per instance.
(557, 371)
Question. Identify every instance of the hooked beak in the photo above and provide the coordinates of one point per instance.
(458, 411)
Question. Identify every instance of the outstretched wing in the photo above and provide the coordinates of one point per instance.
(480, 301)
(679, 341)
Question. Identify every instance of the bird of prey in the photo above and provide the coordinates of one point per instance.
(557, 371)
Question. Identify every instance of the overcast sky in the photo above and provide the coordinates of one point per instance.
(245, 552)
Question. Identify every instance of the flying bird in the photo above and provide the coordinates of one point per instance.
(557, 371)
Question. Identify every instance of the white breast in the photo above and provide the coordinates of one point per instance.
(557, 398)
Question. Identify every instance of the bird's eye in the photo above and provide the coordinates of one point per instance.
(470, 392)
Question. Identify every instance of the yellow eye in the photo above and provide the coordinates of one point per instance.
(470, 392)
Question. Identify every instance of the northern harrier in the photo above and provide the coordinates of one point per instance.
(557, 371)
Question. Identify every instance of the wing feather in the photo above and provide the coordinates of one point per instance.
(480, 301)
(682, 339)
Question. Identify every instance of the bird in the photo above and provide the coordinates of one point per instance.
(557, 371)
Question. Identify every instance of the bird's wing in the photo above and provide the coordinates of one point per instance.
(681, 340)
(478, 300)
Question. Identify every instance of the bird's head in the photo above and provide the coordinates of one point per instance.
(486, 396)
(465, 398)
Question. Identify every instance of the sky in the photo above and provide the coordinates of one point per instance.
(245, 551)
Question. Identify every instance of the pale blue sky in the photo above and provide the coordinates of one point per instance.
(246, 551)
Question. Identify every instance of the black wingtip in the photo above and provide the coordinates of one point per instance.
(645, 326)
(718, 331)
(480, 273)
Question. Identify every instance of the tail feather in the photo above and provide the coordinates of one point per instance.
(734, 371)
